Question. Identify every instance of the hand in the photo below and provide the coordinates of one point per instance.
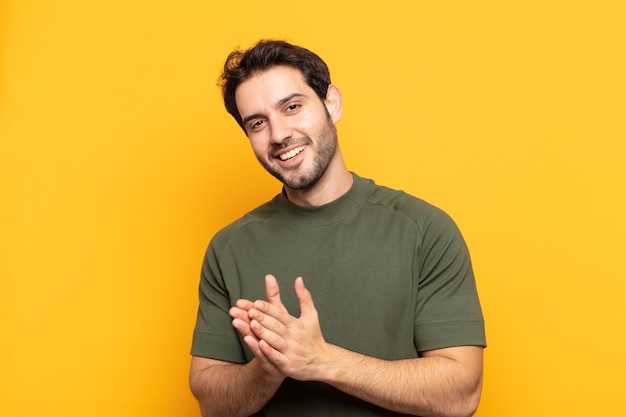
(295, 346)
(241, 322)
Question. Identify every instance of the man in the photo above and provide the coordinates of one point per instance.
(338, 297)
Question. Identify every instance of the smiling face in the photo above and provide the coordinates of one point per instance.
(292, 131)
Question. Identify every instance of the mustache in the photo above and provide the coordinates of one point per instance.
(304, 140)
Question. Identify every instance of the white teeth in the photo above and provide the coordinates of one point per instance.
(291, 153)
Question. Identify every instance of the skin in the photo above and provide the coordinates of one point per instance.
(282, 114)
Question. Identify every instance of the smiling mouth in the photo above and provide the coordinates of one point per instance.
(292, 153)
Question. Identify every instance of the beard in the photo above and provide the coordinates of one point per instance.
(324, 152)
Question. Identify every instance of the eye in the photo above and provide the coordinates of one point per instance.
(256, 125)
(291, 108)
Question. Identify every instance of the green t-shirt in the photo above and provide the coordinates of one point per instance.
(390, 276)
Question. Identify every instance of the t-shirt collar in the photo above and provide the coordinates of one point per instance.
(326, 213)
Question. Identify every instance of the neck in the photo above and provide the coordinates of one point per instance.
(335, 182)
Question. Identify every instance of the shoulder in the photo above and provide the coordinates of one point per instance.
(261, 214)
(421, 212)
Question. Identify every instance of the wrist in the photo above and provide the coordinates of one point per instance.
(330, 365)
(268, 374)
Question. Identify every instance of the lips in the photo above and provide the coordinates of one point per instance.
(291, 153)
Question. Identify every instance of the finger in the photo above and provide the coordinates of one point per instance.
(272, 291)
(304, 297)
(272, 355)
(259, 349)
(241, 321)
(253, 344)
(238, 313)
(265, 326)
(271, 317)
(273, 306)
(244, 304)
(242, 326)
(268, 329)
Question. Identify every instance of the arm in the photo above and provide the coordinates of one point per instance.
(443, 382)
(226, 389)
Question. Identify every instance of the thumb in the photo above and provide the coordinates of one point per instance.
(307, 307)
(272, 291)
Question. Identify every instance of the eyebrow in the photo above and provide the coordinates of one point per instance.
(280, 103)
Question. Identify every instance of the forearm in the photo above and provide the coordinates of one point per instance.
(434, 386)
(441, 383)
(232, 390)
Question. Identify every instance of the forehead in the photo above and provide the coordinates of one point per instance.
(267, 88)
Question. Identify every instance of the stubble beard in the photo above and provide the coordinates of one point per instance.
(327, 145)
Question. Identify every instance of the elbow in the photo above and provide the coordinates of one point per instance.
(461, 406)
(199, 392)
(470, 399)
(464, 404)
(204, 406)
(195, 385)
(469, 404)
(464, 408)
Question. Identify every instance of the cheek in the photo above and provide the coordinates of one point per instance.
(310, 124)
(258, 146)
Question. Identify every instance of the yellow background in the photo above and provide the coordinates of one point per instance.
(118, 163)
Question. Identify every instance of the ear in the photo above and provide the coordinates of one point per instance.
(333, 103)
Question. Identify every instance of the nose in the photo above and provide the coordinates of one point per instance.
(280, 130)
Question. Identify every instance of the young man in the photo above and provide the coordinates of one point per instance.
(338, 297)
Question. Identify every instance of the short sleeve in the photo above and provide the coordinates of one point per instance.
(214, 336)
(448, 311)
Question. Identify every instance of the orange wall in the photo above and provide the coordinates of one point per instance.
(118, 163)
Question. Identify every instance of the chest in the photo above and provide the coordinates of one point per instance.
(362, 277)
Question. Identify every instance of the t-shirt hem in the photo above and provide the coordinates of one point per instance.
(445, 334)
(215, 346)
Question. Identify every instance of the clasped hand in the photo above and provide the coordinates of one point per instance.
(285, 345)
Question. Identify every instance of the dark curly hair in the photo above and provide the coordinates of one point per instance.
(241, 65)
